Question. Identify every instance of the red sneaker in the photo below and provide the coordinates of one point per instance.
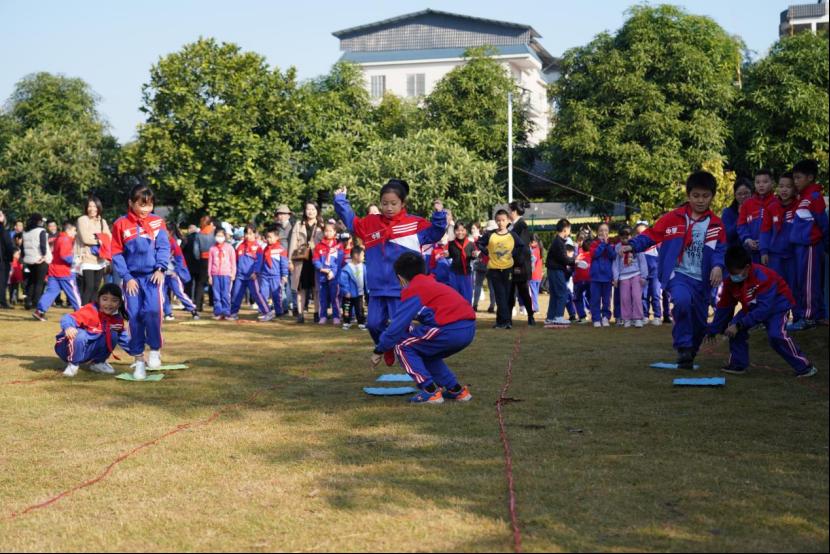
(389, 357)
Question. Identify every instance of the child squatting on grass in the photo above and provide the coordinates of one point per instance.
(447, 326)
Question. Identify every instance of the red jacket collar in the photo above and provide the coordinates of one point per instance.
(686, 210)
(135, 219)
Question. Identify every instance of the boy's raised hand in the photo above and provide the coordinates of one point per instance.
(341, 190)
(438, 206)
(716, 277)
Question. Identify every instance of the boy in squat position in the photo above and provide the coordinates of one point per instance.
(447, 326)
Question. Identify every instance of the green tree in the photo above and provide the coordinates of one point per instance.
(471, 101)
(397, 117)
(640, 109)
(433, 163)
(783, 113)
(215, 135)
(52, 143)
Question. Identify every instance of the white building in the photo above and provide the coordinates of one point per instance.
(409, 54)
(804, 17)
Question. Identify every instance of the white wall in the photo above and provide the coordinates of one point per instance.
(526, 70)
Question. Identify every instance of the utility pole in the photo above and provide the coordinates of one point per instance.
(509, 147)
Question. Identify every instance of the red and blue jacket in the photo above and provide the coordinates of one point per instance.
(139, 246)
(62, 257)
(106, 330)
(761, 295)
(673, 232)
(177, 264)
(275, 261)
(776, 227)
(729, 217)
(249, 259)
(751, 216)
(328, 254)
(429, 302)
(810, 221)
(653, 261)
(602, 261)
(386, 239)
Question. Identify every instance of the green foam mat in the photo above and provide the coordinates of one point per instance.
(168, 367)
(151, 378)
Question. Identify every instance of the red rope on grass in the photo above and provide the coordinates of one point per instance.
(108, 470)
(508, 457)
(33, 380)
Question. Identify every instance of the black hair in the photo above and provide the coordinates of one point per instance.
(502, 212)
(48, 221)
(356, 250)
(114, 290)
(741, 182)
(517, 207)
(535, 237)
(272, 229)
(702, 180)
(460, 224)
(141, 194)
(586, 245)
(95, 200)
(787, 175)
(562, 224)
(67, 225)
(397, 186)
(569, 247)
(33, 221)
(220, 229)
(626, 231)
(766, 172)
(174, 230)
(410, 264)
(737, 258)
(250, 227)
(807, 167)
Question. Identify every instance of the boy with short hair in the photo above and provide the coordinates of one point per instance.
(274, 273)
(447, 327)
(60, 274)
(559, 264)
(751, 213)
(692, 243)
(809, 235)
(776, 249)
(764, 298)
(353, 288)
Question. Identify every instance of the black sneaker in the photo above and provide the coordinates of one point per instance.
(809, 372)
(491, 310)
(316, 317)
(499, 326)
(686, 359)
(195, 315)
(667, 319)
(508, 326)
(530, 321)
(301, 319)
(734, 370)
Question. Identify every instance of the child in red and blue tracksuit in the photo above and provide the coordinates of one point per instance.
(764, 298)
(385, 237)
(328, 261)
(249, 260)
(60, 276)
(776, 248)
(274, 272)
(174, 278)
(809, 236)
(692, 243)
(537, 264)
(447, 326)
(91, 333)
(603, 254)
(751, 214)
(461, 253)
(582, 280)
(140, 254)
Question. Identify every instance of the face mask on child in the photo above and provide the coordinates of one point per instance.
(737, 278)
(220, 240)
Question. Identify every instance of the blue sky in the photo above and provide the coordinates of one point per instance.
(112, 44)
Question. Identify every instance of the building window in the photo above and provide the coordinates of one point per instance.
(378, 86)
(415, 85)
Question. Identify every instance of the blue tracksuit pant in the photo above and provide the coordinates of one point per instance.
(463, 285)
(240, 286)
(173, 283)
(85, 348)
(617, 303)
(600, 301)
(785, 267)
(582, 296)
(422, 352)
(221, 295)
(808, 290)
(381, 311)
(54, 286)
(271, 287)
(145, 311)
(558, 283)
(653, 297)
(691, 308)
(778, 340)
(328, 297)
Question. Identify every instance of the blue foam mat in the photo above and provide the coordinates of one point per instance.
(700, 382)
(395, 378)
(666, 365)
(389, 391)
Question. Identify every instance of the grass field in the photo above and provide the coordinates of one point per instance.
(271, 445)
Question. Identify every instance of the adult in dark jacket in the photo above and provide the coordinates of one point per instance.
(743, 190)
(523, 265)
(559, 265)
(6, 255)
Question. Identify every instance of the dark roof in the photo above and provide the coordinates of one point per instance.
(341, 33)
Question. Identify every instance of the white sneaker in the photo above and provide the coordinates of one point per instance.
(597, 324)
(102, 367)
(561, 321)
(155, 359)
(362, 327)
(169, 318)
(140, 372)
(638, 324)
(626, 323)
(71, 370)
(267, 317)
(347, 326)
(657, 322)
(619, 322)
(605, 322)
